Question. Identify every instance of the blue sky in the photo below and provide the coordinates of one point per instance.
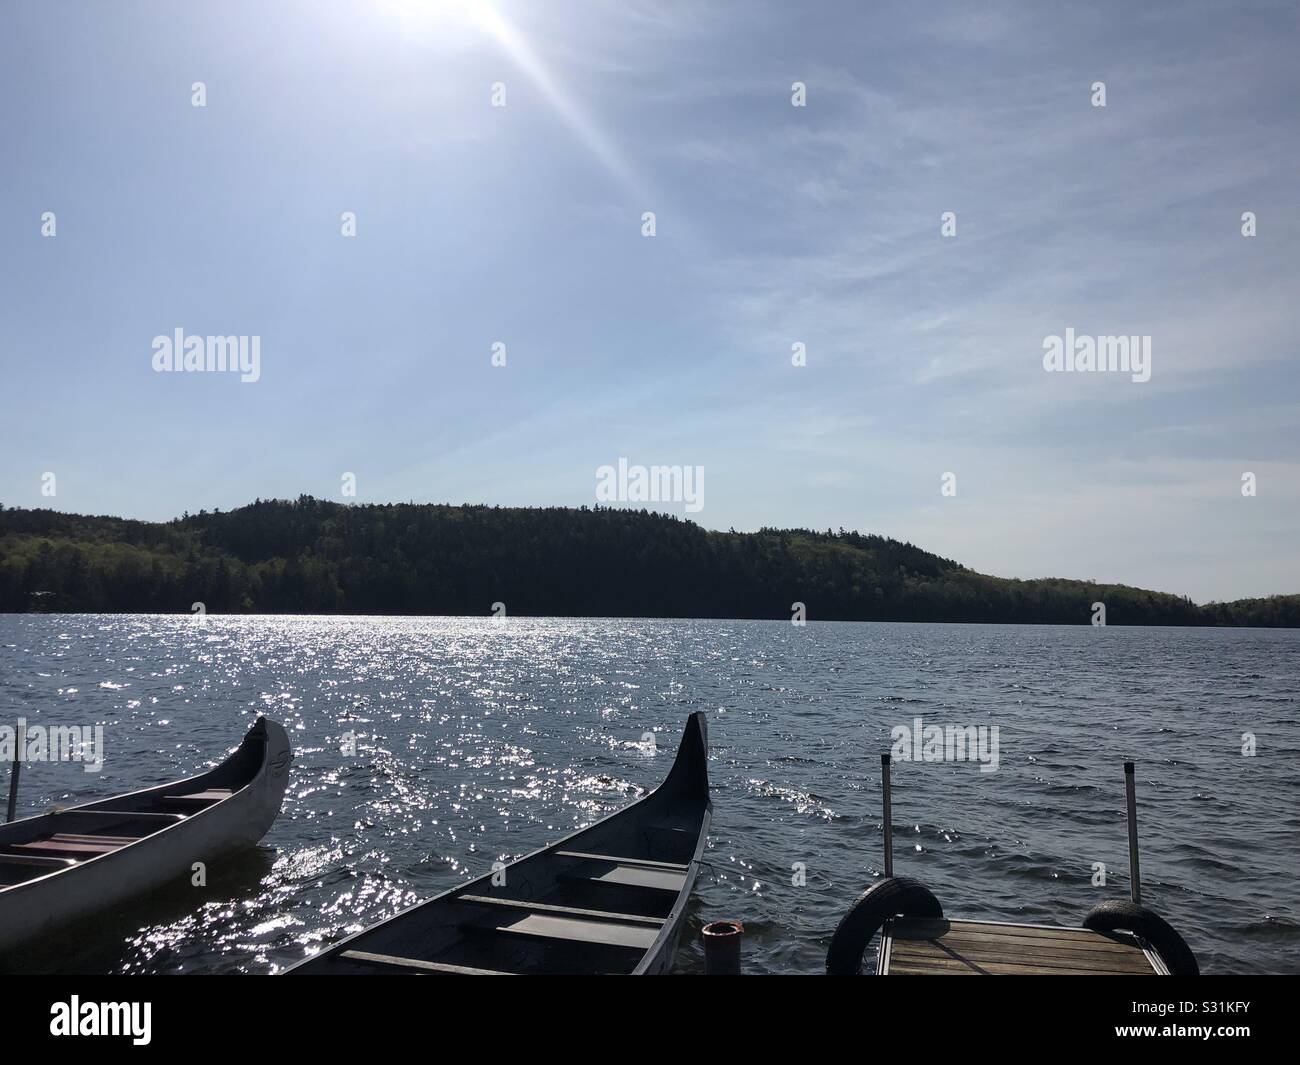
(775, 225)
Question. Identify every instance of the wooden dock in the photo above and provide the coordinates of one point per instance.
(938, 947)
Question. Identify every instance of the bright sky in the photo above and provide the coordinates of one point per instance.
(775, 225)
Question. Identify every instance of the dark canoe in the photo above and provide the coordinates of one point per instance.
(607, 900)
(61, 866)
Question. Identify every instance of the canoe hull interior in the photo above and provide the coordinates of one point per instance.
(57, 868)
(609, 899)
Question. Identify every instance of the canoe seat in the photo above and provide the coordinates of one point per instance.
(200, 798)
(77, 837)
(61, 845)
(416, 965)
(623, 872)
(567, 929)
(567, 911)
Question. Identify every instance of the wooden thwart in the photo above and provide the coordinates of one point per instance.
(911, 946)
(643, 863)
(567, 911)
(81, 837)
(121, 815)
(56, 845)
(390, 961)
(200, 798)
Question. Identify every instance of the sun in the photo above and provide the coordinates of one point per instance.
(442, 15)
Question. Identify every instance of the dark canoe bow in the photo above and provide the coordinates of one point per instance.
(609, 899)
(61, 866)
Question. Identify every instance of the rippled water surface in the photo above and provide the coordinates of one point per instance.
(480, 740)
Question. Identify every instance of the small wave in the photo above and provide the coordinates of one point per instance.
(1270, 928)
(803, 802)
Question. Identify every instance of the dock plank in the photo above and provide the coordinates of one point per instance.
(925, 928)
(937, 947)
(992, 959)
(1094, 942)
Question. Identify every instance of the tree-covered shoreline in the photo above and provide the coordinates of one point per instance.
(310, 556)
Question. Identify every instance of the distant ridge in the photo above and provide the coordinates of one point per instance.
(309, 556)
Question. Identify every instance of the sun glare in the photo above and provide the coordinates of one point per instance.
(441, 15)
(450, 19)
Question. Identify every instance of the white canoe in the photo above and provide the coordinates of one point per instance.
(57, 867)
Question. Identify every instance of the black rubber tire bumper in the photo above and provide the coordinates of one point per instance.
(893, 897)
(1118, 916)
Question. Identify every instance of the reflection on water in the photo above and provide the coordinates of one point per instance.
(474, 741)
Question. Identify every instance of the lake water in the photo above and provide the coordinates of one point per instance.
(480, 740)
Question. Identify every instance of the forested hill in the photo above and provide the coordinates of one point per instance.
(315, 557)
